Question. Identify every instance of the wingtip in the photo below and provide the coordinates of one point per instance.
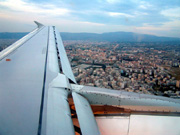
(38, 24)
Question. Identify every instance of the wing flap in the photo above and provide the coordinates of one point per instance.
(85, 115)
(58, 113)
(128, 100)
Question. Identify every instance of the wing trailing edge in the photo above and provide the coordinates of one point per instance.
(128, 100)
(85, 115)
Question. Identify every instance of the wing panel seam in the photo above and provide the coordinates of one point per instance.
(43, 89)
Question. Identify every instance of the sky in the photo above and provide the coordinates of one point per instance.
(154, 17)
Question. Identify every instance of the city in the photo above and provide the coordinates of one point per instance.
(149, 68)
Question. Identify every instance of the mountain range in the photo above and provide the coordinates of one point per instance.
(111, 37)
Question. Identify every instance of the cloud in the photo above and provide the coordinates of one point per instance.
(172, 12)
(142, 6)
(174, 25)
(170, 29)
(112, 1)
(148, 27)
(145, 5)
(91, 23)
(138, 13)
(22, 6)
(117, 14)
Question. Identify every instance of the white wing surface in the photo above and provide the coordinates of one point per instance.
(30, 101)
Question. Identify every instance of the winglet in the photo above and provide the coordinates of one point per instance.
(38, 24)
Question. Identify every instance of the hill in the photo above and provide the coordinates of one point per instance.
(111, 37)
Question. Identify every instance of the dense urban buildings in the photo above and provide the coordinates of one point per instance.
(150, 68)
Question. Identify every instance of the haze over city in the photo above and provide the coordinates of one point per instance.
(153, 17)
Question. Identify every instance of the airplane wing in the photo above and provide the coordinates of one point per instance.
(31, 99)
(37, 85)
